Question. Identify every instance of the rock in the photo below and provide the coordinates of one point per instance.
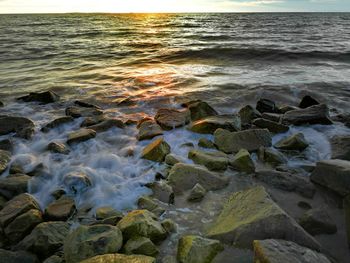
(333, 174)
(16, 169)
(54, 259)
(43, 97)
(3, 201)
(1, 104)
(148, 130)
(277, 251)
(45, 239)
(5, 158)
(169, 226)
(307, 101)
(243, 162)
(271, 156)
(14, 185)
(184, 176)
(200, 110)
(209, 125)
(142, 223)
(317, 222)
(304, 205)
(162, 191)
(197, 193)
(139, 123)
(295, 142)
(169, 259)
(107, 212)
(205, 143)
(106, 125)
(85, 104)
(196, 249)
(56, 123)
(251, 214)
(272, 126)
(266, 105)
(214, 161)
(90, 241)
(251, 140)
(287, 182)
(171, 118)
(6, 145)
(172, 159)
(248, 114)
(318, 114)
(23, 225)
(156, 150)
(16, 207)
(81, 136)
(7, 256)
(77, 182)
(346, 206)
(77, 112)
(58, 147)
(341, 147)
(285, 108)
(60, 210)
(120, 258)
(149, 204)
(276, 117)
(90, 121)
(23, 127)
(140, 246)
(128, 101)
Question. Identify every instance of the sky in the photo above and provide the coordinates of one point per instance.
(126, 6)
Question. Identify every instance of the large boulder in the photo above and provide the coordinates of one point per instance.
(120, 258)
(43, 97)
(172, 118)
(140, 246)
(272, 126)
(107, 124)
(295, 142)
(200, 110)
(80, 136)
(76, 182)
(88, 241)
(14, 185)
(148, 130)
(156, 150)
(248, 114)
(23, 127)
(142, 223)
(333, 174)
(318, 221)
(341, 147)
(214, 161)
(77, 112)
(317, 114)
(60, 210)
(252, 215)
(277, 251)
(307, 101)
(251, 140)
(266, 105)
(209, 124)
(243, 162)
(183, 177)
(197, 249)
(7, 256)
(57, 123)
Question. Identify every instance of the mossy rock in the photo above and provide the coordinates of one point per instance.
(107, 212)
(156, 150)
(120, 258)
(148, 130)
(214, 161)
(243, 162)
(200, 109)
(210, 124)
(140, 246)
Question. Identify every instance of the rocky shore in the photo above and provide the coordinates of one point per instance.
(245, 193)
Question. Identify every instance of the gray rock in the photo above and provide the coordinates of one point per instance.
(77, 112)
(77, 182)
(43, 97)
(214, 161)
(276, 117)
(172, 159)
(5, 158)
(148, 130)
(148, 203)
(169, 225)
(80, 136)
(317, 114)
(271, 156)
(346, 205)
(197, 193)
(317, 222)
(200, 110)
(58, 147)
(14, 185)
(205, 143)
(93, 120)
(209, 125)
(272, 126)
(248, 114)
(56, 123)
(295, 142)
(243, 162)
(23, 127)
(341, 147)
(107, 212)
(7, 256)
(156, 150)
(172, 118)
(285, 108)
(6, 145)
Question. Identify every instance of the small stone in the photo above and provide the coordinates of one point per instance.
(210, 124)
(205, 143)
(169, 225)
(58, 147)
(200, 110)
(285, 108)
(57, 194)
(171, 118)
(61, 209)
(148, 130)
(272, 126)
(43, 97)
(156, 150)
(12, 186)
(147, 203)
(90, 121)
(317, 222)
(243, 162)
(56, 123)
(248, 114)
(197, 193)
(214, 161)
(140, 246)
(16, 168)
(80, 136)
(266, 105)
(307, 101)
(296, 142)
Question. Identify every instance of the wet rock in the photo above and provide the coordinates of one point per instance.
(140, 246)
(341, 147)
(54, 259)
(60, 210)
(5, 158)
(277, 251)
(156, 150)
(304, 205)
(128, 101)
(171, 118)
(200, 110)
(120, 258)
(185, 176)
(139, 123)
(214, 161)
(77, 182)
(57, 194)
(148, 130)
(196, 249)
(346, 205)
(272, 126)
(149, 204)
(6, 145)
(243, 162)
(56, 123)
(162, 191)
(205, 143)
(251, 140)
(107, 212)
(142, 223)
(23, 127)
(23, 225)
(45, 239)
(90, 121)
(91, 241)
(80, 136)
(16, 207)
(251, 214)
(318, 114)
(295, 142)
(287, 182)
(77, 112)
(85, 104)
(16, 169)
(317, 222)
(307, 101)
(248, 114)
(107, 124)
(169, 225)
(43, 97)
(334, 175)
(14, 185)
(209, 125)
(3, 201)
(7, 256)
(271, 156)
(285, 108)
(276, 117)
(172, 159)
(1, 104)
(266, 105)
(58, 147)
(197, 193)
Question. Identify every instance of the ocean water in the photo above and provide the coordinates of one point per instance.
(160, 60)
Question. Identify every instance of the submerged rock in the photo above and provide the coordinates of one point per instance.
(197, 193)
(148, 130)
(200, 110)
(271, 156)
(56, 123)
(196, 249)
(243, 162)
(88, 241)
(156, 150)
(209, 125)
(272, 126)
(77, 112)
(214, 161)
(251, 140)
(80, 136)
(7, 256)
(266, 105)
(14, 185)
(307, 101)
(107, 124)
(58, 147)
(277, 251)
(43, 97)
(205, 143)
(23, 127)
(120, 258)
(5, 158)
(251, 214)
(171, 118)
(60, 210)
(317, 114)
(140, 246)
(248, 114)
(341, 147)
(295, 142)
(318, 221)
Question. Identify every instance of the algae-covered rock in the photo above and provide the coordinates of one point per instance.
(120, 258)
(7, 256)
(317, 114)
(56, 123)
(61, 209)
(271, 156)
(140, 246)
(318, 221)
(172, 118)
(196, 249)
(197, 193)
(200, 109)
(5, 158)
(184, 176)
(272, 126)
(208, 125)
(88, 241)
(6, 145)
(149, 129)
(243, 162)
(214, 161)
(156, 150)
(57, 147)
(296, 142)
(205, 143)
(80, 136)
(252, 215)
(23, 127)
(14, 185)
(248, 114)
